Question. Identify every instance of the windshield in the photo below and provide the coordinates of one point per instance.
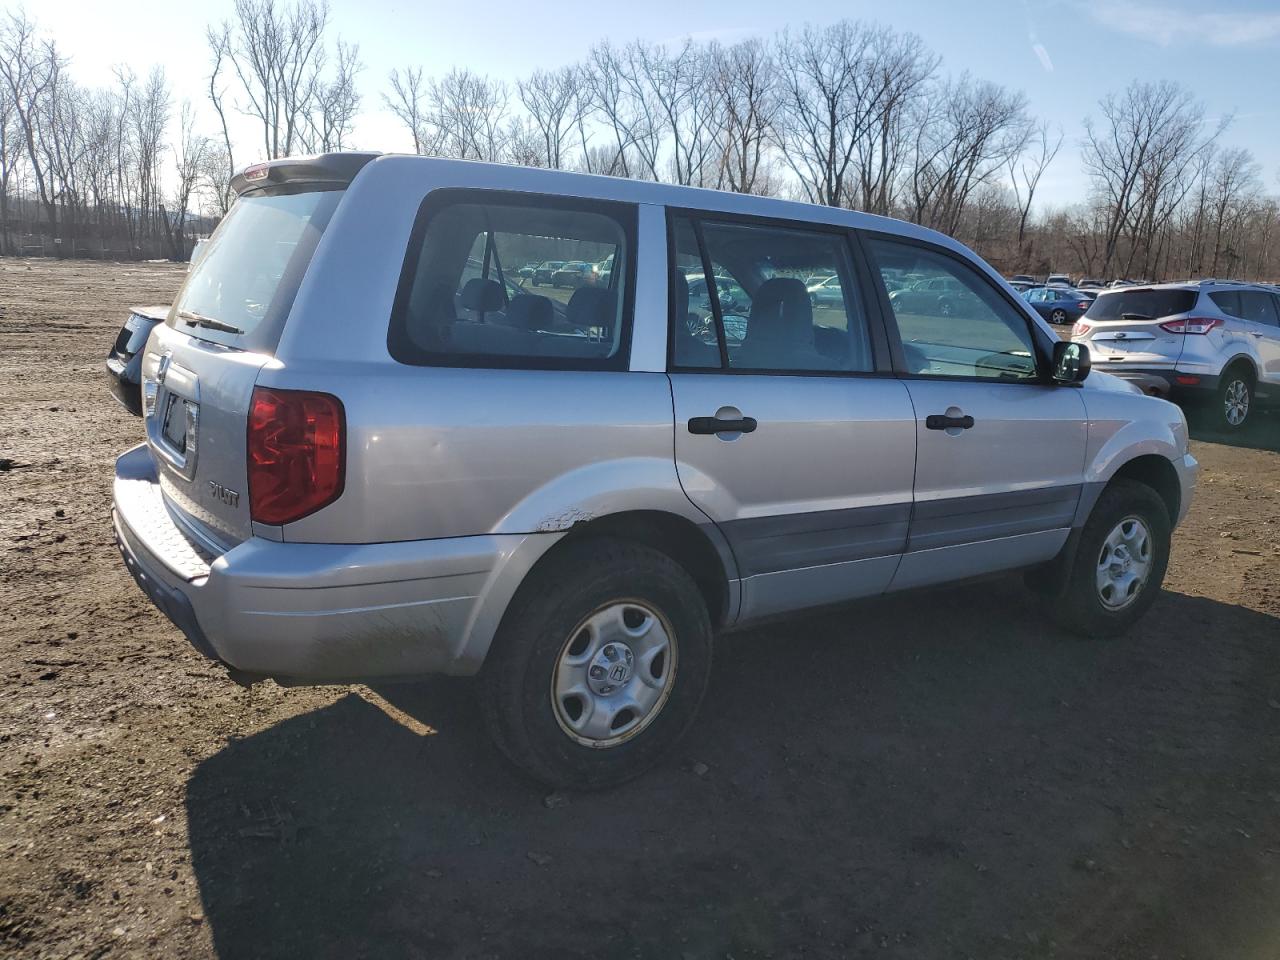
(247, 276)
(1141, 303)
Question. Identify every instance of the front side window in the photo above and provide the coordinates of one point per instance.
(765, 298)
(954, 323)
(465, 301)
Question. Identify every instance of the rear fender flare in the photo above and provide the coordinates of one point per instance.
(546, 516)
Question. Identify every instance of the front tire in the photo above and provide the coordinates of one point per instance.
(1119, 563)
(599, 665)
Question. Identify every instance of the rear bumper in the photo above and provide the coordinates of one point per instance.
(1164, 382)
(125, 381)
(312, 613)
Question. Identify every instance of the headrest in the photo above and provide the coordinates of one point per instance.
(780, 310)
(481, 295)
(530, 312)
(590, 307)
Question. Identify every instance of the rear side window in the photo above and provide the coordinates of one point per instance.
(1228, 301)
(1144, 304)
(464, 301)
(241, 288)
(765, 298)
(1258, 307)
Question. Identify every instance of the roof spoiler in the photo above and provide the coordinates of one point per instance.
(320, 171)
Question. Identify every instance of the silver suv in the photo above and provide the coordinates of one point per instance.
(1215, 343)
(375, 451)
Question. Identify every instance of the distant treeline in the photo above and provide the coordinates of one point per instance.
(851, 114)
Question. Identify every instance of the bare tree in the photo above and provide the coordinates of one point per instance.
(554, 107)
(1026, 169)
(843, 90)
(219, 40)
(901, 70)
(523, 143)
(277, 54)
(630, 119)
(190, 158)
(407, 102)
(469, 113)
(743, 78)
(214, 182)
(11, 148)
(1139, 158)
(966, 135)
(337, 104)
(28, 66)
(1233, 186)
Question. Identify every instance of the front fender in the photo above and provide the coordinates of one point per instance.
(1124, 426)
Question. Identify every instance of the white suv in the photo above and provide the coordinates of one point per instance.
(1216, 341)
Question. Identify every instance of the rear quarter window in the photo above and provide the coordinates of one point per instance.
(462, 301)
(1151, 304)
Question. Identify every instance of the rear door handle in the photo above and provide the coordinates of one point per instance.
(940, 421)
(712, 425)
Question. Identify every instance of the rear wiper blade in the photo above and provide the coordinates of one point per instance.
(1135, 316)
(200, 320)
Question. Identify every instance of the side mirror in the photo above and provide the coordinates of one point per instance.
(1071, 363)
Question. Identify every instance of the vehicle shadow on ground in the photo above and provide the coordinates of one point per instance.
(1263, 433)
(938, 774)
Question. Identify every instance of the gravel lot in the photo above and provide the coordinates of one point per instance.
(936, 775)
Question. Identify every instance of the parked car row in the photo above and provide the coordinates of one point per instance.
(567, 273)
(1023, 282)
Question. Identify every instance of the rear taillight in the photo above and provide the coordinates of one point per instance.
(1080, 329)
(1084, 304)
(1193, 325)
(296, 453)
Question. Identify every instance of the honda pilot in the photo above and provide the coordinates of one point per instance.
(375, 451)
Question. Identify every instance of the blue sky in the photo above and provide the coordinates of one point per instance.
(1065, 54)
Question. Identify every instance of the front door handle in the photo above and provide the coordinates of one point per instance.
(712, 425)
(940, 421)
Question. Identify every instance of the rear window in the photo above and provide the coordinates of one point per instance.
(1147, 303)
(463, 302)
(241, 289)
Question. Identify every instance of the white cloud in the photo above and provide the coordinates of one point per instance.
(1166, 25)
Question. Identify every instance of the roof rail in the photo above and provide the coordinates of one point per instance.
(1221, 280)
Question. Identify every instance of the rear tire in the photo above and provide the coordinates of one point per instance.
(1119, 563)
(1235, 400)
(1058, 317)
(599, 606)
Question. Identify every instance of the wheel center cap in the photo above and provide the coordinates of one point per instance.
(610, 668)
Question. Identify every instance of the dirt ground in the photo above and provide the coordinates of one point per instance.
(935, 775)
